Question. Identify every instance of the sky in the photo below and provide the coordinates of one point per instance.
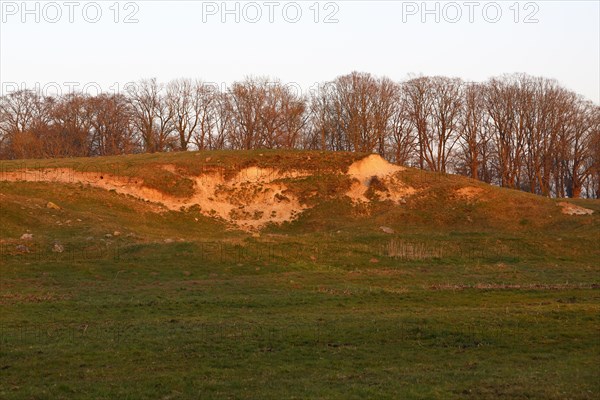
(59, 46)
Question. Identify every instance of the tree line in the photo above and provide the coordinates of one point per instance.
(515, 131)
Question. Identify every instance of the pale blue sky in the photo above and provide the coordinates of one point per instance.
(171, 40)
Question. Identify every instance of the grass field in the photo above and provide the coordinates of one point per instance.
(466, 299)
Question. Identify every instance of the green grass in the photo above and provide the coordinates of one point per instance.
(467, 300)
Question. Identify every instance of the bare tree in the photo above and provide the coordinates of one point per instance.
(402, 138)
(190, 103)
(152, 116)
(283, 116)
(579, 145)
(593, 181)
(473, 129)
(221, 122)
(247, 100)
(504, 102)
(71, 123)
(324, 116)
(24, 120)
(447, 103)
(419, 107)
(355, 113)
(112, 130)
(267, 114)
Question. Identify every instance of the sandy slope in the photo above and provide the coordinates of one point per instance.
(251, 199)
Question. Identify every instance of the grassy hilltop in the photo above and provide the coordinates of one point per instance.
(290, 274)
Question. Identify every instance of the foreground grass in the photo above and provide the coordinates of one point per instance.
(165, 324)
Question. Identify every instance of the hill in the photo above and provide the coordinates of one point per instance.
(209, 195)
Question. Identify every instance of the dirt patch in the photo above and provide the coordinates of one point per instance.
(572, 209)
(249, 200)
(21, 298)
(374, 168)
(358, 192)
(495, 286)
(169, 168)
(120, 184)
(370, 166)
(469, 193)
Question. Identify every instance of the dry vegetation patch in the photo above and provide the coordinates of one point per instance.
(470, 193)
(572, 209)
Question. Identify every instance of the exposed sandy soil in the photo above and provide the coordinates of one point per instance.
(251, 199)
(371, 166)
(469, 192)
(572, 209)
